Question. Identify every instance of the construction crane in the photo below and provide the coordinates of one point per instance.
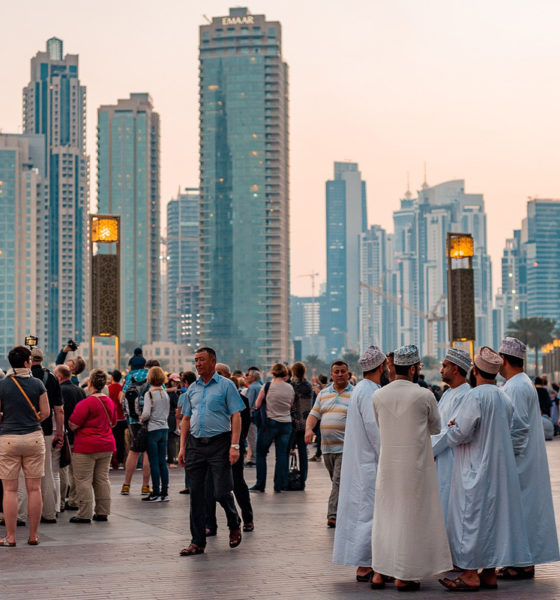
(431, 317)
(313, 276)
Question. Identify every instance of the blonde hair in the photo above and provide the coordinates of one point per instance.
(156, 376)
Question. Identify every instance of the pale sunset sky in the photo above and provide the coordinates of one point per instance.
(469, 87)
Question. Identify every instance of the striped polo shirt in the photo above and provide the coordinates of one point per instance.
(330, 408)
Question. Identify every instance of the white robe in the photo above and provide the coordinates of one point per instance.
(409, 539)
(448, 406)
(354, 519)
(532, 467)
(483, 521)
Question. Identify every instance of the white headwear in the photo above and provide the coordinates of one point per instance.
(513, 347)
(371, 358)
(406, 356)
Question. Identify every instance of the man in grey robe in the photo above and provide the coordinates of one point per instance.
(532, 463)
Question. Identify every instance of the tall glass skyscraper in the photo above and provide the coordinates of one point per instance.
(54, 105)
(128, 173)
(346, 221)
(244, 217)
(183, 267)
(22, 191)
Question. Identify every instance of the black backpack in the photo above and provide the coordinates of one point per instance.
(134, 391)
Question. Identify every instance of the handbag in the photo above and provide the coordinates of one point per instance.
(295, 478)
(259, 416)
(65, 452)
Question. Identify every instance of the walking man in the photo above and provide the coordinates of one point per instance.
(352, 540)
(532, 463)
(330, 408)
(210, 432)
(409, 541)
(453, 371)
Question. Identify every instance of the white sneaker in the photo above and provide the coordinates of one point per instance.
(164, 498)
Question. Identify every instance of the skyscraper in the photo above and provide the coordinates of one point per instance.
(419, 282)
(542, 247)
(346, 221)
(128, 171)
(54, 105)
(22, 191)
(183, 267)
(244, 227)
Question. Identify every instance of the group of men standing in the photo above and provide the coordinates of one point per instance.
(463, 485)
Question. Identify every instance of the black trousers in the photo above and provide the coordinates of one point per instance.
(209, 457)
(240, 490)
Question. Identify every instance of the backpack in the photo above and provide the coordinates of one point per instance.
(259, 416)
(134, 391)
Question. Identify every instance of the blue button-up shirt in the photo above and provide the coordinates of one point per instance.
(211, 405)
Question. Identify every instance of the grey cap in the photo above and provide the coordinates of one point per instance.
(459, 357)
(406, 356)
(513, 347)
(371, 358)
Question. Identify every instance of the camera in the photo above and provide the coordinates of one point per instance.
(72, 345)
(31, 340)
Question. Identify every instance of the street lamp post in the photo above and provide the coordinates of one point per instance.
(105, 280)
(460, 290)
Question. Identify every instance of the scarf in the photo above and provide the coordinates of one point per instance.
(19, 372)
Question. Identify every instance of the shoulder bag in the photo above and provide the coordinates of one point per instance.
(26, 397)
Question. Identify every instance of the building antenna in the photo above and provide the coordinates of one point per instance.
(408, 193)
(207, 19)
(425, 184)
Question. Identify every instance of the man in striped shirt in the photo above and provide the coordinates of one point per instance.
(330, 408)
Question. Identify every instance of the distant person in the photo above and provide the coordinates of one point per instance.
(303, 403)
(545, 402)
(115, 389)
(137, 360)
(92, 422)
(329, 411)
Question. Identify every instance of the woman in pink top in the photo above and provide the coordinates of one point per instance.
(92, 422)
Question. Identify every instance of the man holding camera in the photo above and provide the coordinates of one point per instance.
(76, 364)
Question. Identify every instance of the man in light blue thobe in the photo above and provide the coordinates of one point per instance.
(453, 372)
(532, 463)
(483, 520)
(352, 540)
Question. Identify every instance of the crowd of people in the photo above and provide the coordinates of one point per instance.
(421, 484)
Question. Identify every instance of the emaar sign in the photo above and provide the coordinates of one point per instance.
(248, 20)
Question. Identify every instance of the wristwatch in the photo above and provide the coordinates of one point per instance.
(235, 446)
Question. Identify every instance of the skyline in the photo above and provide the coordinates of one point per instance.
(474, 78)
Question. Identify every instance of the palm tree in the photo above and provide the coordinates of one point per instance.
(315, 365)
(533, 331)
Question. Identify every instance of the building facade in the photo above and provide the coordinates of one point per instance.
(128, 185)
(183, 267)
(244, 214)
(23, 189)
(54, 106)
(346, 220)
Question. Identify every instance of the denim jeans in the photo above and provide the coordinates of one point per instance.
(157, 452)
(280, 434)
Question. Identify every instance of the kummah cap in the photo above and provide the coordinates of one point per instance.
(406, 356)
(488, 361)
(37, 354)
(459, 357)
(513, 347)
(371, 358)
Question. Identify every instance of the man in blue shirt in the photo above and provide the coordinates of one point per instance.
(210, 432)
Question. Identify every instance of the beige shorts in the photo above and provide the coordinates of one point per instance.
(25, 452)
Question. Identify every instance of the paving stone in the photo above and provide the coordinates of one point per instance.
(136, 553)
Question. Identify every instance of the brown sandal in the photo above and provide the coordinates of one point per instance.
(458, 585)
(191, 550)
(234, 537)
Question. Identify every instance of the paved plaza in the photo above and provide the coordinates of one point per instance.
(136, 554)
